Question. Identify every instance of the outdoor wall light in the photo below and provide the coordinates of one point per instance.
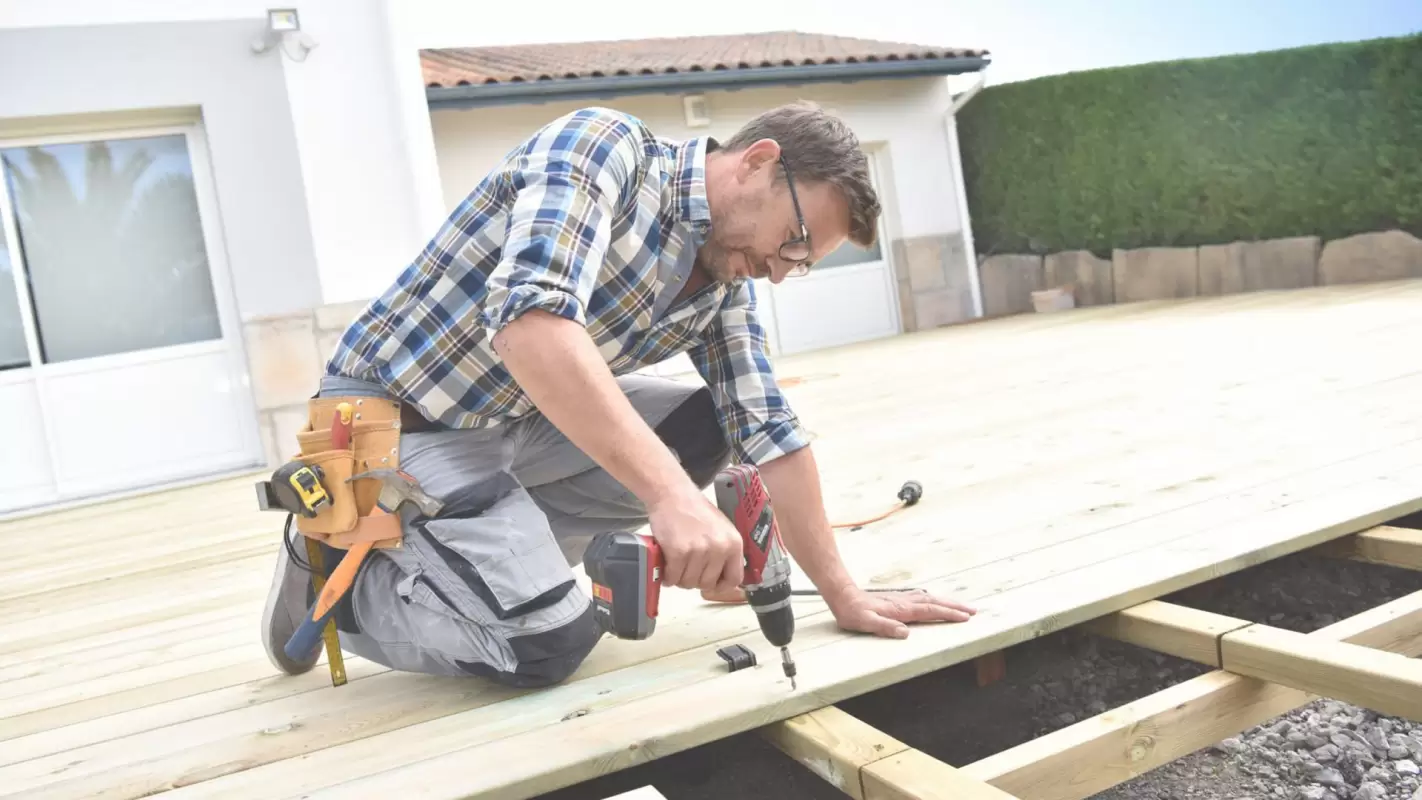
(281, 20)
(284, 28)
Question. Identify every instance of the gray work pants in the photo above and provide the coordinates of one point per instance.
(486, 588)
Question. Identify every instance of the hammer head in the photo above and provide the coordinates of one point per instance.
(400, 488)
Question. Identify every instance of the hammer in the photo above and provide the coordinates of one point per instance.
(397, 488)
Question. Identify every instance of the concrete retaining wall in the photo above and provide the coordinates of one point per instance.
(1156, 273)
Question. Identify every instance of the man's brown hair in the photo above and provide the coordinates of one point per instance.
(819, 147)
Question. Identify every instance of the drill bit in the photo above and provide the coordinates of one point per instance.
(789, 666)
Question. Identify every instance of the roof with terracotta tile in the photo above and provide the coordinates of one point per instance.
(739, 55)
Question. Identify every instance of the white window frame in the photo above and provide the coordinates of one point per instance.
(231, 340)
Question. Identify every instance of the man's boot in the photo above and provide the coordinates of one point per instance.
(288, 600)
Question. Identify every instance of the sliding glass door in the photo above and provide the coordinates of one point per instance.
(26, 472)
(120, 358)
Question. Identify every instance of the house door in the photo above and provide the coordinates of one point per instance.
(849, 296)
(120, 353)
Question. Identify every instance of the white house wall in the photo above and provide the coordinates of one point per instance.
(189, 69)
(367, 193)
(901, 121)
(323, 169)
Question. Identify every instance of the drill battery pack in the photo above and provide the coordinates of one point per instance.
(625, 570)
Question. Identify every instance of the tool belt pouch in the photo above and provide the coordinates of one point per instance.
(375, 444)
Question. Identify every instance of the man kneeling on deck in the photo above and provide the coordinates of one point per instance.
(507, 351)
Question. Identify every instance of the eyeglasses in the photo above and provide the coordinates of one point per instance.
(796, 250)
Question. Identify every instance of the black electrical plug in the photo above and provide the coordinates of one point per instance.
(910, 492)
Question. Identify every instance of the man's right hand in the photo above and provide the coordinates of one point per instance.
(702, 549)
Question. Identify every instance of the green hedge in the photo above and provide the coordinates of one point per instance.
(1320, 141)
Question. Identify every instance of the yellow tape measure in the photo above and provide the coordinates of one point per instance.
(329, 635)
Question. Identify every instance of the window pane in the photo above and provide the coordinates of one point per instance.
(112, 243)
(13, 352)
(849, 253)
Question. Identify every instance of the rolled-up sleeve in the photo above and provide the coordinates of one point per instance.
(733, 359)
(568, 182)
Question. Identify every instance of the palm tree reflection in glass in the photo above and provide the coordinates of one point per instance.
(112, 245)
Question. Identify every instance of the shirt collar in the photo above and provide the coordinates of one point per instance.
(689, 189)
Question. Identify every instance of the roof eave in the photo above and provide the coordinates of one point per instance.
(476, 95)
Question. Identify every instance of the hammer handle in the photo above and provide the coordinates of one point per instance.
(308, 635)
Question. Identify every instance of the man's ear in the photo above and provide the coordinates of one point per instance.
(760, 155)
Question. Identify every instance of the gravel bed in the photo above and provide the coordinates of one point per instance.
(1324, 751)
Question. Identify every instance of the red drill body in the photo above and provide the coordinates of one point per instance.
(742, 497)
(625, 568)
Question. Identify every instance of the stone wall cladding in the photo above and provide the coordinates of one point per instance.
(1388, 256)
(1008, 282)
(1155, 273)
(1259, 266)
(1160, 273)
(931, 273)
(286, 355)
(1088, 277)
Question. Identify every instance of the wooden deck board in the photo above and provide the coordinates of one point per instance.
(1073, 464)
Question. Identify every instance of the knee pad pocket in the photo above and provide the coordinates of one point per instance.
(547, 657)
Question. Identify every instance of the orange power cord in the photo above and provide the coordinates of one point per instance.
(909, 494)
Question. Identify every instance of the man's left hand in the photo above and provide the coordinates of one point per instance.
(887, 613)
(880, 613)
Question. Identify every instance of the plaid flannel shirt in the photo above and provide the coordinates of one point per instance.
(581, 221)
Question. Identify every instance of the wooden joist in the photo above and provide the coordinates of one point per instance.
(990, 668)
(915, 775)
(1264, 672)
(1168, 628)
(833, 745)
(1095, 754)
(1385, 544)
(1387, 683)
(868, 764)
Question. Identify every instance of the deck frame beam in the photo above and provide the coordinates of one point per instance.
(1096, 754)
(1263, 672)
(1176, 630)
(1385, 544)
(1386, 683)
(868, 764)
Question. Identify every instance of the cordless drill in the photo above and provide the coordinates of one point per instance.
(626, 568)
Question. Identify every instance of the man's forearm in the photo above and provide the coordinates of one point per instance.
(793, 482)
(556, 363)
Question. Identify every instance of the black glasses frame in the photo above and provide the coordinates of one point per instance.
(797, 250)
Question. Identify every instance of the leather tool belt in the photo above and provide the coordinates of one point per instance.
(374, 444)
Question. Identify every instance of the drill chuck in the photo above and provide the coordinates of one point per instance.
(771, 605)
(777, 620)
